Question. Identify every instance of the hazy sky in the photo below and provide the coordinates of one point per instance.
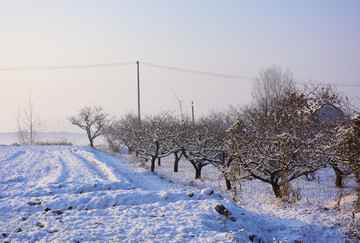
(317, 40)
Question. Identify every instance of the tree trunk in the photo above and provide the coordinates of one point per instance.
(198, 172)
(153, 164)
(176, 162)
(197, 168)
(91, 140)
(227, 181)
(228, 184)
(155, 156)
(130, 150)
(357, 174)
(357, 203)
(339, 177)
(277, 190)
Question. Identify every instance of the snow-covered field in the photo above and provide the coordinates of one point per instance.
(75, 194)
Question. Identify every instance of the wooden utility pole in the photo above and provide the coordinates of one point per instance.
(192, 110)
(138, 88)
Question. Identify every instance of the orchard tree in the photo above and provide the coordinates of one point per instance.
(276, 160)
(273, 141)
(93, 120)
(348, 146)
(151, 138)
(159, 133)
(345, 149)
(192, 145)
(125, 130)
(111, 138)
(203, 143)
(329, 131)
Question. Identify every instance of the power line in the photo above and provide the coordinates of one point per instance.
(219, 75)
(171, 68)
(99, 65)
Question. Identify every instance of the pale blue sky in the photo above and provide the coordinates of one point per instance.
(317, 40)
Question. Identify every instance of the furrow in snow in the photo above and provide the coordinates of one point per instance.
(140, 179)
(102, 166)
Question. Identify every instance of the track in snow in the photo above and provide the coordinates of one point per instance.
(53, 193)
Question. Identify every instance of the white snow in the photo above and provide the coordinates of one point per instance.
(75, 194)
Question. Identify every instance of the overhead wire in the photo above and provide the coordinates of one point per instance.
(232, 76)
(165, 67)
(99, 65)
(219, 75)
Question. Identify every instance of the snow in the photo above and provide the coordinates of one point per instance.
(75, 194)
(315, 217)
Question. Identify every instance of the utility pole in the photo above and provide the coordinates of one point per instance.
(138, 88)
(192, 109)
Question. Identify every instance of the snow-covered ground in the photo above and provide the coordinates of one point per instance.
(323, 212)
(75, 194)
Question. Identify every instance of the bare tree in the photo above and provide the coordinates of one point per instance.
(21, 133)
(344, 149)
(92, 119)
(125, 129)
(271, 84)
(276, 159)
(203, 143)
(111, 138)
(273, 141)
(152, 138)
(28, 122)
(192, 144)
(329, 130)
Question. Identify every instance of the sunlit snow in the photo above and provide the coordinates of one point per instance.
(74, 194)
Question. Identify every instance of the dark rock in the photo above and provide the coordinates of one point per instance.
(222, 210)
(255, 238)
(40, 225)
(34, 203)
(57, 212)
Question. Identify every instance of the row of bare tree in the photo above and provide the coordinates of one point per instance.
(158, 136)
(276, 139)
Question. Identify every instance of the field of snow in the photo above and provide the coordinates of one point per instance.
(75, 194)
